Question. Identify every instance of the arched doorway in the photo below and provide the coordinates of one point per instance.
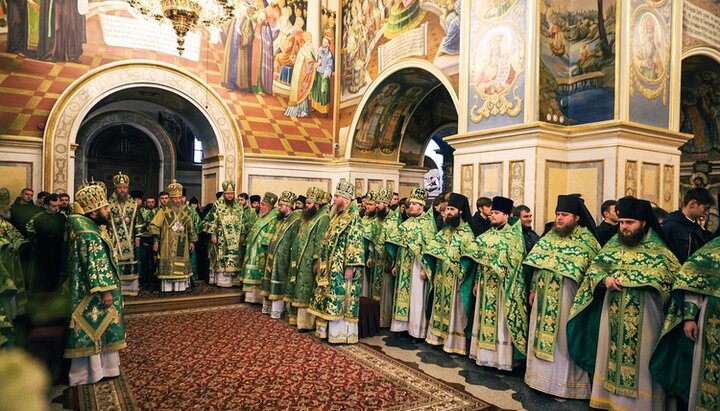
(127, 149)
(404, 109)
(107, 88)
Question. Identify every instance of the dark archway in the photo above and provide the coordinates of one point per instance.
(127, 149)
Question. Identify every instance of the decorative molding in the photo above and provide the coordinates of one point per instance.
(467, 172)
(668, 190)
(631, 180)
(390, 185)
(374, 185)
(517, 181)
(360, 187)
(598, 190)
(483, 170)
(650, 190)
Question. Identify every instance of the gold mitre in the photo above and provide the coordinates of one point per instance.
(371, 197)
(91, 197)
(418, 195)
(288, 198)
(384, 195)
(326, 197)
(121, 180)
(175, 189)
(4, 196)
(269, 199)
(345, 189)
(314, 195)
(228, 186)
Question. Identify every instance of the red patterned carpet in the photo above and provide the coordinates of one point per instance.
(234, 358)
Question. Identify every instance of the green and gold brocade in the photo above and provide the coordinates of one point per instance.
(555, 258)
(305, 252)
(277, 262)
(10, 242)
(672, 359)
(442, 257)
(92, 271)
(175, 230)
(650, 265)
(125, 225)
(258, 240)
(377, 234)
(404, 245)
(498, 255)
(336, 298)
(229, 225)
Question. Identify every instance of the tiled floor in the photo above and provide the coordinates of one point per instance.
(503, 389)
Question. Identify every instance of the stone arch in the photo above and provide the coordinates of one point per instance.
(380, 79)
(74, 104)
(157, 134)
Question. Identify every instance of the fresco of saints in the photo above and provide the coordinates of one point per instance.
(261, 72)
(451, 43)
(236, 62)
(321, 88)
(497, 70)
(369, 123)
(648, 49)
(303, 77)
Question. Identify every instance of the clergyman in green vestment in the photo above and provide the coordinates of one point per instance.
(499, 328)
(617, 316)
(370, 232)
(13, 296)
(559, 261)
(227, 225)
(452, 299)
(174, 237)
(125, 231)
(97, 331)
(258, 240)
(686, 361)
(305, 258)
(277, 263)
(405, 247)
(336, 302)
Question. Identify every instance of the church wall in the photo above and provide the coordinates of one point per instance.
(21, 164)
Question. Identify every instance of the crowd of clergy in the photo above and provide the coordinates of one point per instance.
(625, 314)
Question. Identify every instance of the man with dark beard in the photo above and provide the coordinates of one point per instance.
(258, 239)
(45, 231)
(384, 223)
(125, 232)
(174, 237)
(97, 329)
(617, 315)
(304, 259)
(559, 261)
(336, 301)
(278, 256)
(452, 289)
(227, 225)
(499, 322)
(370, 233)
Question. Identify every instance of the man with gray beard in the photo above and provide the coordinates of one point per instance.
(559, 261)
(125, 231)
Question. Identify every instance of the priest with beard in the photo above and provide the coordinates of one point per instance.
(174, 236)
(125, 230)
(258, 240)
(278, 256)
(381, 289)
(494, 261)
(336, 302)
(45, 231)
(405, 247)
(617, 316)
(452, 302)
(305, 259)
(370, 233)
(559, 261)
(97, 329)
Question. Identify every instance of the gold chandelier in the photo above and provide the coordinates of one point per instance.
(184, 15)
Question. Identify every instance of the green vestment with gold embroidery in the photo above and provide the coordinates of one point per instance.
(257, 242)
(305, 252)
(671, 363)
(405, 244)
(228, 224)
(125, 225)
(442, 257)
(8, 307)
(375, 234)
(554, 258)
(498, 255)
(10, 242)
(336, 298)
(648, 266)
(277, 264)
(175, 230)
(92, 271)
